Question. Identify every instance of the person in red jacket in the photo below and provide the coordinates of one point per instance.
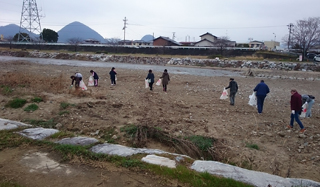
(296, 106)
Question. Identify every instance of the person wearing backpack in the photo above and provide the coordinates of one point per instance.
(309, 99)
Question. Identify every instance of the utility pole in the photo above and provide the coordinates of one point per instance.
(124, 30)
(173, 35)
(29, 21)
(289, 27)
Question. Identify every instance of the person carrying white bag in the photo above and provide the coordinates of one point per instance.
(233, 90)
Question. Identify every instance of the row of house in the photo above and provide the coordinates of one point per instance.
(210, 40)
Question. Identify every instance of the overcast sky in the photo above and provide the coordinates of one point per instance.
(262, 20)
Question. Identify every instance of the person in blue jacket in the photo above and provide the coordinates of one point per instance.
(261, 92)
(150, 79)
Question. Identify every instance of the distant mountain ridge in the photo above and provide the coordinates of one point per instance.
(78, 30)
(13, 29)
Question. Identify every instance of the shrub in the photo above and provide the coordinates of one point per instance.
(31, 107)
(16, 103)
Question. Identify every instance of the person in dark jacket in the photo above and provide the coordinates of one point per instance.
(233, 90)
(165, 80)
(95, 77)
(261, 92)
(113, 74)
(295, 104)
(150, 79)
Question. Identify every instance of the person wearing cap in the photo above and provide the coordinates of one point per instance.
(233, 90)
(113, 74)
(95, 77)
(261, 92)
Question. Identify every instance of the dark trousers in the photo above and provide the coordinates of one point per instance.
(232, 97)
(113, 80)
(150, 85)
(260, 101)
(164, 87)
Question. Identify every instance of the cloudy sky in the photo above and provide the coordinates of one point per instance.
(186, 20)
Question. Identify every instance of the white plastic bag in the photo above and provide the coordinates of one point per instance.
(146, 83)
(82, 85)
(91, 81)
(224, 94)
(304, 110)
(252, 99)
(158, 82)
(115, 77)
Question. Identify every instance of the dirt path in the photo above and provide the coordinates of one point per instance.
(190, 107)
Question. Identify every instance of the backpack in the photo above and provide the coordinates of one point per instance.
(311, 97)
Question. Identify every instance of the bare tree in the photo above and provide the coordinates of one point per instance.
(112, 41)
(305, 34)
(75, 42)
(222, 43)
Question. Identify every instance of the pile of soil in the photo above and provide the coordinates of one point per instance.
(191, 106)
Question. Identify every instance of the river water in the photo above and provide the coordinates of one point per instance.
(156, 68)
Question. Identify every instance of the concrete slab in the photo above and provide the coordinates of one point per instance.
(158, 160)
(114, 149)
(38, 133)
(78, 141)
(8, 124)
(248, 176)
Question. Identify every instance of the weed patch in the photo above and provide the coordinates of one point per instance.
(252, 146)
(203, 143)
(16, 103)
(42, 123)
(37, 99)
(62, 134)
(6, 90)
(63, 112)
(31, 108)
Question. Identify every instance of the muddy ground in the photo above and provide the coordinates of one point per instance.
(190, 107)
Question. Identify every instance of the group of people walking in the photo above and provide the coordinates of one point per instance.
(261, 90)
(165, 79)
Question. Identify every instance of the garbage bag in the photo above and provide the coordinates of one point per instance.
(146, 83)
(224, 94)
(158, 82)
(91, 81)
(82, 85)
(252, 99)
(304, 110)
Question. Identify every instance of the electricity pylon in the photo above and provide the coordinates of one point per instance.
(29, 21)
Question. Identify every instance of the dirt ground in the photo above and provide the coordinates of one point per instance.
(190, 107)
